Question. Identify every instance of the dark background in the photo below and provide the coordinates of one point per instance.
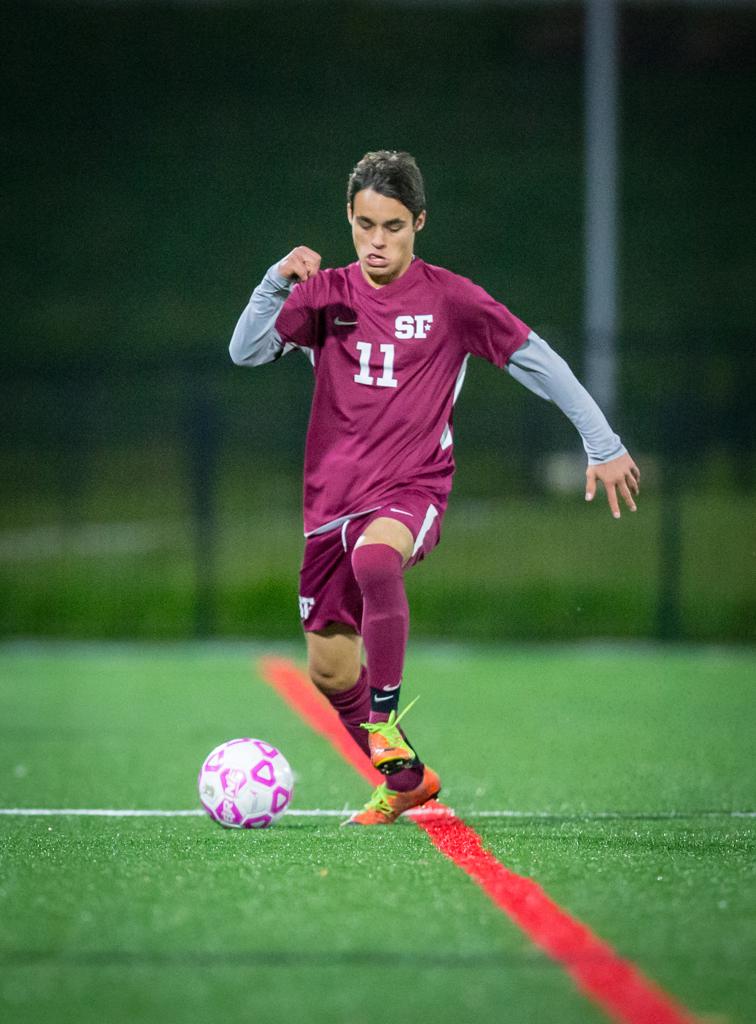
(158, 158)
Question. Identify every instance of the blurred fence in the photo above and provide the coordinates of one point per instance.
(150, 488)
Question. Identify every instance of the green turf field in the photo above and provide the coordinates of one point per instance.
(176, 920)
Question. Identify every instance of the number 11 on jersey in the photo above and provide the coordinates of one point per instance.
(387, 378)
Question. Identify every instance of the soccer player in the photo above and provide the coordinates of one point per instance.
(389, 337)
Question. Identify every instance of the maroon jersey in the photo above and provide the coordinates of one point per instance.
(389, 363)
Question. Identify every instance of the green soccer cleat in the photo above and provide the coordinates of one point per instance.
(389, 749)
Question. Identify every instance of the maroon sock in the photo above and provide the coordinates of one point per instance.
(385, 619)
(353, 707)
(385, 628)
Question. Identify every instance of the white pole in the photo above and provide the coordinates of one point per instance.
(601, 202)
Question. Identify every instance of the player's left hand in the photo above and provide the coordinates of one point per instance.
(619, 475)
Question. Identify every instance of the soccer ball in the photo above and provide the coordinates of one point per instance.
(245, 784)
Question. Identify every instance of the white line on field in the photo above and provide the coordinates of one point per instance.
(319, 812)
(100, 812)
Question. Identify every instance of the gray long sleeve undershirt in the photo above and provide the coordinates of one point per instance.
(535, 365)
(255, 340)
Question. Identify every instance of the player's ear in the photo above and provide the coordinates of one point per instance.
(420, 221)
(349, 212)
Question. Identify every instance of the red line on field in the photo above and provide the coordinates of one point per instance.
(612, 982)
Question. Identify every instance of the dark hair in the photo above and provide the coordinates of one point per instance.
(391, 174)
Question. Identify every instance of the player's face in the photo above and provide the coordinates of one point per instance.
(383, 234)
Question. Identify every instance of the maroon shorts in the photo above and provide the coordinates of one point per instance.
(328, 591)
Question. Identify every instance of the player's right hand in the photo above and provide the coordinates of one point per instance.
(300, 264)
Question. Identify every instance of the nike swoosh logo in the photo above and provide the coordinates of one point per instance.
(345, 323)
(378, 700)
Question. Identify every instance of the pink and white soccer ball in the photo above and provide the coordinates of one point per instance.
(245, 783)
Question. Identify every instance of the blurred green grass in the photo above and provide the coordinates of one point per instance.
(546, 569)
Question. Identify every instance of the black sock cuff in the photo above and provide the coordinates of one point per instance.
(384, 701)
